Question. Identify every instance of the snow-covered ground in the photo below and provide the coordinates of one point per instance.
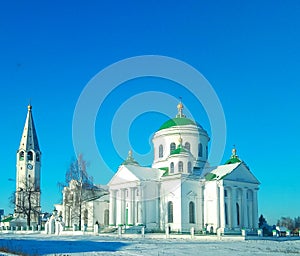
(39, 244)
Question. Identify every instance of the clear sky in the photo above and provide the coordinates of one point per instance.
(247, 50)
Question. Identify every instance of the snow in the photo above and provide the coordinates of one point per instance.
(39, 244)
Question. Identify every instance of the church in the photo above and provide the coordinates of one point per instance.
(178, 192)
(181, 190)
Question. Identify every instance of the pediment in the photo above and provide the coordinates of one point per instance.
(191, 193)
(123, 175)
(243, 174)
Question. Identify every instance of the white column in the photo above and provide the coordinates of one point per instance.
(157, 205)
(112, 208)
(140, 206)
(218, 206)
(255, 209)
(245, 208)
(133, 213)
(222, 207)
(123, 206)
(233, 208)
(130, 204)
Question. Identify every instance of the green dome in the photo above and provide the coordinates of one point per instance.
(178, 121)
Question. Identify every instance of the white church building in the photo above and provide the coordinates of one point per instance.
(180, 190)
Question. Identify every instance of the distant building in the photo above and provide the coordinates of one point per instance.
(27, 196)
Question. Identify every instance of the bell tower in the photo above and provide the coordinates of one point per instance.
(27, 201)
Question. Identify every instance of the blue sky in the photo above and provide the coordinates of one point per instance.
(248, 51)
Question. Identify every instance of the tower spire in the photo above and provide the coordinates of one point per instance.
(29, 138)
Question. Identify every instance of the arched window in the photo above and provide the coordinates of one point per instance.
(172, 147)
(237, 214)
(189, 167)
(21, 156)
(180, 166)
(29, 156)
(192, 212)
(206, 151)
(187, 145)
(161, 151)
(37, 157)
(200, 150)
(106, 217)
(170, 212)
(172, 167)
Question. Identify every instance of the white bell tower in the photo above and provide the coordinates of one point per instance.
(27, 202)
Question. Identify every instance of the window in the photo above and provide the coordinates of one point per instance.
(21, 156)
(192, 212)
(189, 167)
(85, 217)
(172, 147)
(206, 151)
(200, 150)
(137, 192)
(187, 145)
(37, 157)
(172, 167)
(29, 156)
(180, 166)
(225, 193)
(161, 151)
(237, 214)
(106, 217)
(170, 212)
(226, 214)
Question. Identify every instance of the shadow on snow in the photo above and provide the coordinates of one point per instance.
(40, 247)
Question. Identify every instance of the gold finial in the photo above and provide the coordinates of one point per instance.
(180, 140)
(130, 153)
(29, 107)
(234, 151)
(180, 109)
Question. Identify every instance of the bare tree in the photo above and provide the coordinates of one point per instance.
(26, 201)
(81, 189)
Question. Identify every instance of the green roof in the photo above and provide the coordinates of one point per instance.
(8, 219)
(179, 150)
(210, 176)
(178, 121)
(233, 160)
(166, 169)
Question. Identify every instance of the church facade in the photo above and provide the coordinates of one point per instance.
(181, 190)
(178, 192)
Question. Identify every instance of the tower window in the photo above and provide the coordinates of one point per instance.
(189, 167)
(172, 167)
(172, 147)
(206, 151)
(161, 151)
(180, 166)
(29, 156)
(200, 150)
(21, 156)
(187, 146)
(37, 157)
